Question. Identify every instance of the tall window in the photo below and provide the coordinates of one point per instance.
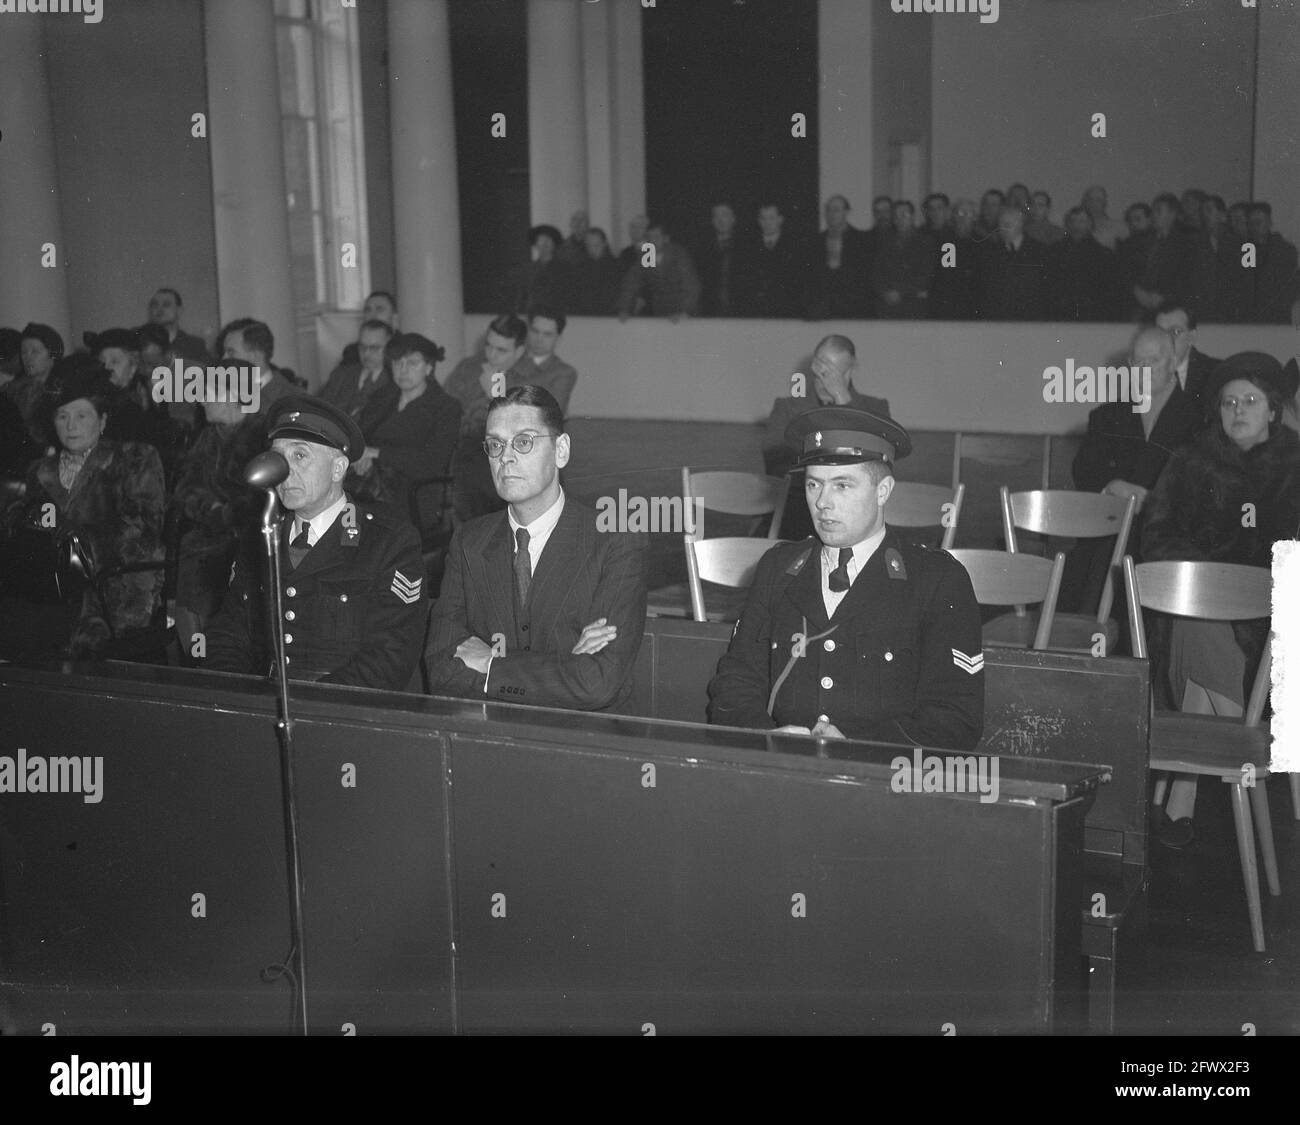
(324, 157)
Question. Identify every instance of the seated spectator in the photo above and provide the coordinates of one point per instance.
(574, 248)
(1291, 372)
(1192, 367)
(1011, 280)
(474, 382)
(184, 419)
(1083, 283)
(838, 282)
(595, 277)
(1040, 225)
(1132, 252)
(1170, 261)
(42, 348)
(545, 280)
(717, 264)
(250, 341)
(1275, 268)
(1246, 459)
(132, 414)
(411, 427)
(1122, 455)
(771, 268)
(952, 286)
(217, 513)
(381, 305)
(669, 287)
(11, 354)
(165, 311)
(1105, 230)
(539, 366)
(351, 385)
(900, 278)
(110, 495)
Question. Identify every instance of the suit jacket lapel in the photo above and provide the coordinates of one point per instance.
(495, 570)
(560, 557)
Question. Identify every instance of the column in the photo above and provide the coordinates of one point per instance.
(250, 209)
(557, 130)
(29, 196)
(1277, 138)
(627, 118)
(845, 140)
(426, 197)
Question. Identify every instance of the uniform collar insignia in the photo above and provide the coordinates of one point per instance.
(894, 566)
(796, 566)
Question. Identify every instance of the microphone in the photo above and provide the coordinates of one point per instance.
(266, 470)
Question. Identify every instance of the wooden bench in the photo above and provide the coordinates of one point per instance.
(1057, 706)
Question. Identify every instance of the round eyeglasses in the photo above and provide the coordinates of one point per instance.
(520, 443)
(1229, 402)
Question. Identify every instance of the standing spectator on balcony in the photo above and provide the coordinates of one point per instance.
(1105, 230)
(595, 277)
(662, 284)
(1168, 274)
(882, 228)
(904, 266)
(1275, 268)
(1040, 225)
(1212, 262)
(545, 279)
(630, 255)
(937, 209)
(717, 262)
(838, 284)
(1082, 274)
(1237, 221)
(1018, 197)
(1012, 278)
(1191, 211)
(952, 288)
(1133, 252)
(574, 248)
(990, 209)
(771, 268)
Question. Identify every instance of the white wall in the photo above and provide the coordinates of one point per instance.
(937, 376)
(1013, 100)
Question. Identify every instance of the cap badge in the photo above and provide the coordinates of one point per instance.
(294, 416)
(817, 438)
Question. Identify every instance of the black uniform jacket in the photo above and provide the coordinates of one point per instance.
(583, 574)
(354, 608)
(901, 661)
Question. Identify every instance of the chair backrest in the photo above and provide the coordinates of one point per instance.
(1003, 450)
(729, 561)
(922, 505)
(1073, 515)
(1207, 591)
(740, 494)
(1006, 578)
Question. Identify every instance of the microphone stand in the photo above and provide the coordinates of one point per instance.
(297, 962)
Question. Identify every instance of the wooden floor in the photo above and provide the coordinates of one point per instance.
(1197, 973)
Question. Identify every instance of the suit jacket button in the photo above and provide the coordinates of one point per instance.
(829, 646)
(827, 683)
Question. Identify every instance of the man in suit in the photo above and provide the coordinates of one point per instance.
(855, 633)
(351, 386)
(771, 268)
(1123, 454)
(716, 261)
(353, 607)
(1192, 367)
(839, 276)
(1012, 272)
(538, 604)
(904, 265)
(381, 305)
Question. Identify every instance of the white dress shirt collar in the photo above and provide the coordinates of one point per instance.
(830, 559)
(539, 531)
(319, 523)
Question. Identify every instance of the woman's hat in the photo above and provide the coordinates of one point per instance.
(1259, 368)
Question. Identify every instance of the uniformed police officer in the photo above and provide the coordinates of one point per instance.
(354, 611)
(855, 633)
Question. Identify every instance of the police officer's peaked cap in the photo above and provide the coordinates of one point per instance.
(844, 435)
(312, 419)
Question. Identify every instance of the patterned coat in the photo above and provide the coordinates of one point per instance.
(900, 661)
(116, 506)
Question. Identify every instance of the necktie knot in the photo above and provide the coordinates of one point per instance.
(839, 580)
(300, 544)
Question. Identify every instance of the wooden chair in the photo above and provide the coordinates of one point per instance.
(1004, 578)
(731, 493)
(1215, 745)
(1073, 515)
(922, 505)
(729, 561)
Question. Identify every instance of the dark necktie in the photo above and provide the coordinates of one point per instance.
(840, 575)
(523, 566)
(299, 546)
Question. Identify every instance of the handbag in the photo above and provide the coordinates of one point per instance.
(41, 564)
